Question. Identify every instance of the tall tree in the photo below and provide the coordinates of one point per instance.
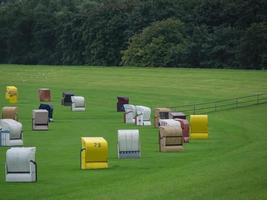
(161, 44)
(253, 48)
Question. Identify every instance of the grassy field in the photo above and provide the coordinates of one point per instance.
(231, 164)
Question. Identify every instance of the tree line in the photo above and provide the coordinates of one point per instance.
(166, 33)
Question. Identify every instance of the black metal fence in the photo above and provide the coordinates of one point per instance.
(226, 104)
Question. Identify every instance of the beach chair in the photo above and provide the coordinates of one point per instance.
(21, 165)
(11, 133)
(94, 153)
(128, 144)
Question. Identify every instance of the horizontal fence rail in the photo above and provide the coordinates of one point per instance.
(226, 104)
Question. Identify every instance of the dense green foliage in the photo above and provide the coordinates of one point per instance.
(161, 44)
(215, 33)
(230, 165)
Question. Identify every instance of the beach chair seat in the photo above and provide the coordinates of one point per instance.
(44, 94)
(129, 114)
(143, 116)
(49, 108)
(185, 127)
(177, 115)
(121, 100)
(11, 94)
(40, 120)
(78, 103)
(66, 98)
(169, 122)
(94, 153)
(160, 113)
(170, 139)
(11, 133)
(199, 127)
(10, 112)
(128, 144)
(21, 165)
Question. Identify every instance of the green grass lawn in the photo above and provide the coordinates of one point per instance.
(231, 164)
